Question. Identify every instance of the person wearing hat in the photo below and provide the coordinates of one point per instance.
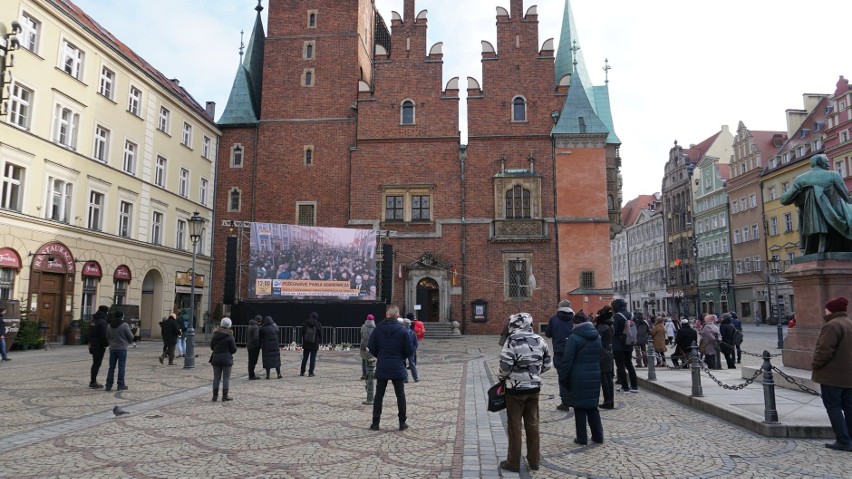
(684, 339)
(224, 346)
(832, 357)
(311, 338)
(558, 329)
(120, 337)
(98, 342)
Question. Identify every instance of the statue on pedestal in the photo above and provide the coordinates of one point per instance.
(825, 209)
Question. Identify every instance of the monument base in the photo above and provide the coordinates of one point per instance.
(815, 282)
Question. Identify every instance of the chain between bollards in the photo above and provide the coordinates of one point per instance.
(695, 367)
(770, 412)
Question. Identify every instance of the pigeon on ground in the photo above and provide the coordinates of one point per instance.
(118, 411)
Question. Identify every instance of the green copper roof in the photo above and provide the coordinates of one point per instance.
(243, 107)
(584, 99)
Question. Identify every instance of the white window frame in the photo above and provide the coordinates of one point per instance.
(413, 112)
(96, 210)
(125, 219)
(60, 196)
(107, 83)
(309, 78)
(164, 119)
(134, 101)
(788, 222)
(100, 143)
(840, 167)
(183, 183)
(12, 189)
(206, 144)
(180, 235)
(160, 171)
(129, 158)
(773, 226)
(525, 113)
(21, 105)
(238, 160)
(66, 122)
(157, 220)
(758, 264)
(203, 189)
(752, 200)
(309, 50)
(186, 136)
(30, 36)
(72, 59)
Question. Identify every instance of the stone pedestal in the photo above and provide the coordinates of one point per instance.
(816, 279)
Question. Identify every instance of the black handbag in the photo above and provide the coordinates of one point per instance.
(497, 397)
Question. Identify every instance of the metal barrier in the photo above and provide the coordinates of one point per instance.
(329, 336)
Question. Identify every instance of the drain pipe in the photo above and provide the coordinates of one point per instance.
(462, 157)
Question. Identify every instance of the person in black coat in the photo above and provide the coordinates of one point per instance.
(580, 375)
(559, 329)
(622, 351)
(98, 342)
(311, 339)
(170, 331)
(390, 345)
(224, 346)
(604, 327)
(683, 339)
(253, 345)
(269, 346)
(727, 331)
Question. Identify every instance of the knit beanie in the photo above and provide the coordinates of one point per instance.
(225, 323)
(837, 304)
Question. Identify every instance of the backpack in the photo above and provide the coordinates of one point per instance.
(629, 331)
(738, 337)
(310, 334)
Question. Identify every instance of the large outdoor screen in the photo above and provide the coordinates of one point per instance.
(307, 262)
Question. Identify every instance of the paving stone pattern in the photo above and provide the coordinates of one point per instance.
(316, 427)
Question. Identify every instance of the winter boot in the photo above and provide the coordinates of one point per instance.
(216, 395)
(225, 396)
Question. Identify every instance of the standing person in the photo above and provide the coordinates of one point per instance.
(119, 338)
(253, 345)
(658, 336)
(641, 348)
(709, 337)
(180, 342)
(738, 325)
(3, 351)
(726, 332)
(311, 338)
(412, 360)
(368, 361)
(832, 357)
(224, 346)
(581, 373)
(98, 342)
(271, 353)
(670, 331)
(683, 343)
(390, 345)
(756, 317)
(170, 331)
(620, 349)
(419, 329)
(559, 328)
(524, 358)
(604, 327)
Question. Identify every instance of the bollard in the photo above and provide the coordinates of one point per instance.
(652, 359)
(695, 367)
(770, 413)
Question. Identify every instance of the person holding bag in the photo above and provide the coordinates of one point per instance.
(224, 346)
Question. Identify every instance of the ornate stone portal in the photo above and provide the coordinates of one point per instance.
(435, 272)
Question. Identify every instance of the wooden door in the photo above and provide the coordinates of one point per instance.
(49, 308)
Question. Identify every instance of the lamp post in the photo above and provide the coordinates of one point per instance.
(776, 272)
(196, 229)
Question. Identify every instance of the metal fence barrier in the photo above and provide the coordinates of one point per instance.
(329, 336)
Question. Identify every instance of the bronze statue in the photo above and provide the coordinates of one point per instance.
(825, 211)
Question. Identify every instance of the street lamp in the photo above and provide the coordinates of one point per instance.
(196, 229)
(776, 272)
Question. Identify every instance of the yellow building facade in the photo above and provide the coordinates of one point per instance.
(104, 160)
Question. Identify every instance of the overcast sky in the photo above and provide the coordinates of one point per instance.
(680, 69)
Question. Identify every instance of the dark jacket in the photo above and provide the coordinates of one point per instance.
(619, 306)
(604, 328)
(727, 331)
(642, 330)
(312, 346)
(224, 346)
(253, 335)
(268, 336)
(684, 338)
(580, 370)
(98, 332)
(170, 331)
(2, 326)
(390, 344)
(558, 329)
(833, 352)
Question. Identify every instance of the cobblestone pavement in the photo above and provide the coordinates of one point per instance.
(316, 427)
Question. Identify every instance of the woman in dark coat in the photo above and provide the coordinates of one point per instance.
(580, 374)
(224, 346)
(269, 346)
(253, 345)
(604, 327)
(727, 331)
(311, 339)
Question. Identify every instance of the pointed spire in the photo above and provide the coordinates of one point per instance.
(242, 45)
(578, 113)
(243, 107)
(259, 7)
(606, 69)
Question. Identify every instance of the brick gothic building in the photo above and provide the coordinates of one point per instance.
(336, 120)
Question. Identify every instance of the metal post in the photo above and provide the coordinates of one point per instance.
(652, 358)
(770, 413)
(189, 357)
(695, 367)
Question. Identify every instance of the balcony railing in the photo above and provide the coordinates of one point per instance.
(521, 230)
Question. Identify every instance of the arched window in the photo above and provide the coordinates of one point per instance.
(518, 203)
(234, 200)
(407, 113)
(519, 109)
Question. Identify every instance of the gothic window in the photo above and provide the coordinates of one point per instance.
(518, 203)
(519, 109)
(407, 113)
(234, 200)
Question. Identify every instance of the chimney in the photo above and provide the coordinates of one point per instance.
(517, 10)
(408, 12)
(210, 106)
(175, 81)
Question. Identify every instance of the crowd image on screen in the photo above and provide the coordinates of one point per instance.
(318, 262)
